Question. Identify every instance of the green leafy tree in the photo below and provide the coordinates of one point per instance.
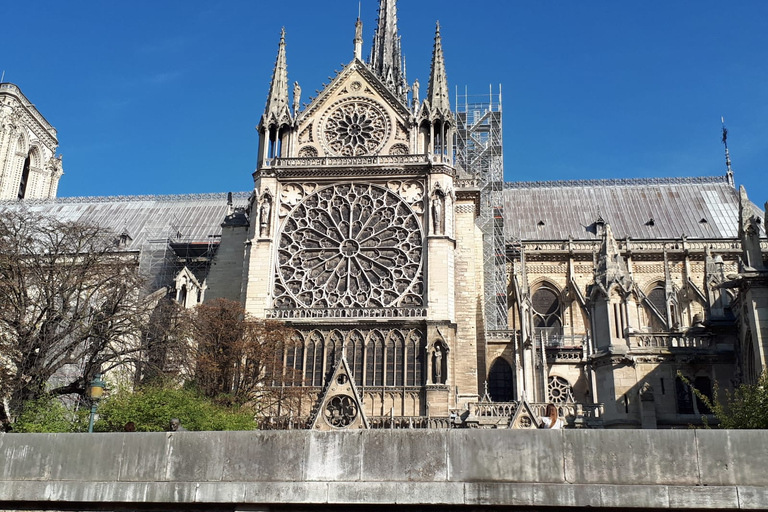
(151, 408)
(745, 408)
(48, 414)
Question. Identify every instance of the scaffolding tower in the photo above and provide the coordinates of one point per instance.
(479, 154)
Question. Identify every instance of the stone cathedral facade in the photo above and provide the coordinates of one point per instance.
(363, 235)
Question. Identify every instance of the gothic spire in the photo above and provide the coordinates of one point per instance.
(437, 92)
(386, 59)
(277, 102)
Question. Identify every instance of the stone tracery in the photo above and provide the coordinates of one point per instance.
(357, 127)
(350, 245)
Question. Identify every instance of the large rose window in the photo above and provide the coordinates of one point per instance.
(350, 245)
(356, 127)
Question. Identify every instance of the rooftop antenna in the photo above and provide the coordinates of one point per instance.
(729, 172)
(2, 78)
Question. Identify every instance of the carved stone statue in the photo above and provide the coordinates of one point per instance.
(296, 97)
(416, 93)
(265, 212)
(437, 214)
(438, 365)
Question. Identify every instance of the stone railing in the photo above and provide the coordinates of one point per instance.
(671, 340)
(302, 313)
(342, 161)
(420, 422)
(576, 415)
(375, 422)
(466, 183)
(562, 341)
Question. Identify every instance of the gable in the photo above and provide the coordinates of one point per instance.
(355, 115)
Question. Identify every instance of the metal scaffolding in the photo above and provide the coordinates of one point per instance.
(479, 153)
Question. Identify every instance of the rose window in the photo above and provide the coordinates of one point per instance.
(355, 128)
(340, 411)
(350, 245)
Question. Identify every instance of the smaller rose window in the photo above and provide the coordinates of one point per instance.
(340, 411)
(355, 128)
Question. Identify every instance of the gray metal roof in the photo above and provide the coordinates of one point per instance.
(705, 208)
(182, 218)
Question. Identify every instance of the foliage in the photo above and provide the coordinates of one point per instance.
(68, 299)
(151, 409)
(746, 408)
(240, 358)
(49, 414)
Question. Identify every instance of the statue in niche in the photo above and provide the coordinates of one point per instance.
(265, 211)
(296, 97)
(437, 213)
(437, 364)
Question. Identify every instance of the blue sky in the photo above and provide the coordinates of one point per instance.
(162, 97)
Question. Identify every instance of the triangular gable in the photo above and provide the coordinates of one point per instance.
(339, 406)
(524, 417)
(329, 93)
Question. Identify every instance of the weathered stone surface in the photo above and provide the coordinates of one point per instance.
(634, 496)
(144, 456)
(400, 455)
(753, 498)
(722, 461)
(506, 456)
(25, 457)
(196, 456)
(395, 467)
(272, 456)
(702, 497)
(72, 457)
(638, 457)
(334, 456)
(569, 495)
(494, 493)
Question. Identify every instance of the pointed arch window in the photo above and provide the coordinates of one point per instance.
(500, 381)
(24, 177)
(547, 309)
(354, 352)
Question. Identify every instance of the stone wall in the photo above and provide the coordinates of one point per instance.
(674, 469)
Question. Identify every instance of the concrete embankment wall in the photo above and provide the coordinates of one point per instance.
(685, 469)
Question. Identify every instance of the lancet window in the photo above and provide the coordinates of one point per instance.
(547, 308)
(500, 381)
(376, 358)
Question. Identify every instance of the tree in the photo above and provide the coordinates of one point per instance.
(49, 414)
(746, 408)
(236, 356)
(152, 407)
(70, 306)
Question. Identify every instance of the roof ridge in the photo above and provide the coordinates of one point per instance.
(615, 182)
(125, 199)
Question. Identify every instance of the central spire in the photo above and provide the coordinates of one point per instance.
(386, 59)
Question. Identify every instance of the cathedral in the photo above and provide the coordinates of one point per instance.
(424, 291)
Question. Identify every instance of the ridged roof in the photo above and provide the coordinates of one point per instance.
(180, 218)
(705, 208)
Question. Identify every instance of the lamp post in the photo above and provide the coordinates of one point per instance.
(96, 391)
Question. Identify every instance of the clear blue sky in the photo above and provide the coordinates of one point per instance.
(162, 97)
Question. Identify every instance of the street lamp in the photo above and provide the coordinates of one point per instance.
(96, 391)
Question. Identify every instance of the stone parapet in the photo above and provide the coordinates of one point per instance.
(684, 469)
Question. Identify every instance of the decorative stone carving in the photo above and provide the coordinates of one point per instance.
(308, 152)
(355, 127)
(438, 211)
(265, 214)
(350, 246)
(398, 149)
(559, 390)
